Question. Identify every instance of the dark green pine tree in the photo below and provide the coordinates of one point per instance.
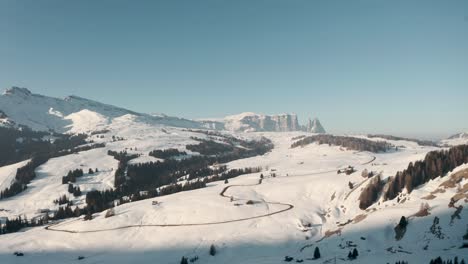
(212, 250)
(355, 253)
(316, 253)
(184, 260)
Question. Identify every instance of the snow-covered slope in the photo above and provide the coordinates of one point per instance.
(72, 114)
(457, 139)
(301, 202)
(306, 204)
(8, 173)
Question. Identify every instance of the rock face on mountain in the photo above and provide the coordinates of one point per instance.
(314, 126)
(252, 122)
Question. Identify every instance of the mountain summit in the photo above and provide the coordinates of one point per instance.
(71, 114)
(314, 126)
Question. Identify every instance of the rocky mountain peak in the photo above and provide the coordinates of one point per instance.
(315, 126)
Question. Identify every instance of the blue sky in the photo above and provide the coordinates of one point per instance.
(375, 66)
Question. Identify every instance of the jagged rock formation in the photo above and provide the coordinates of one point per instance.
(252, 122)
(314, 126)
(249, 122)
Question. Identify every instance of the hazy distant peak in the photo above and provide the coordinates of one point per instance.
(14, 90)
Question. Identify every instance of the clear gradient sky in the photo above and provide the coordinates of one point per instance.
(398, 67)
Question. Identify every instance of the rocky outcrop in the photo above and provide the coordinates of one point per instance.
(314, 126)
(252, 122)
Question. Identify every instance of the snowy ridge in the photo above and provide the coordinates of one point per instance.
(72, 114)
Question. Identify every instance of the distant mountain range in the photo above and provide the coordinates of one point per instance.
(19, 106)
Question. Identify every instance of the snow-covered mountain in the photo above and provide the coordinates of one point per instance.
(71, 114)
(76, 114)
(457, 139)
(252, 122)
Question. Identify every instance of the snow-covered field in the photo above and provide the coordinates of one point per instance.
(187, 223)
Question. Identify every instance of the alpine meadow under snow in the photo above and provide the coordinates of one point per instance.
(117, 186)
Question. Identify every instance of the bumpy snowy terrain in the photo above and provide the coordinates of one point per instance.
(306, 204)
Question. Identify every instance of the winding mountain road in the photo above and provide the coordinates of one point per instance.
(54, 227)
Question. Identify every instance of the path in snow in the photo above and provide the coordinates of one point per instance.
(222, 193)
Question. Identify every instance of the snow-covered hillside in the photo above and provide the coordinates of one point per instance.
(306, 204)
(72, 114)
(296, 203)
(460, 138)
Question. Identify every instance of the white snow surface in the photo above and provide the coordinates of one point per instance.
(306, 179)
(307, 199)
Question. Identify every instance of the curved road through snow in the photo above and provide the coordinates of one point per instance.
(222, 193)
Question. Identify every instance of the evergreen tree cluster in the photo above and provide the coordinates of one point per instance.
(167, 153)
(62, 200)
(72, 175)
(209, 147)
(353, 143)
(427, 143)
(352, 255)
(160, 173)
(75, 190)
(33, 146)
(371, 192)
(435, 164)
(439, 260)
(24, 175)
(123, 157)
(14, 225)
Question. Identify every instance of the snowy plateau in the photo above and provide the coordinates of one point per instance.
(297, 202)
